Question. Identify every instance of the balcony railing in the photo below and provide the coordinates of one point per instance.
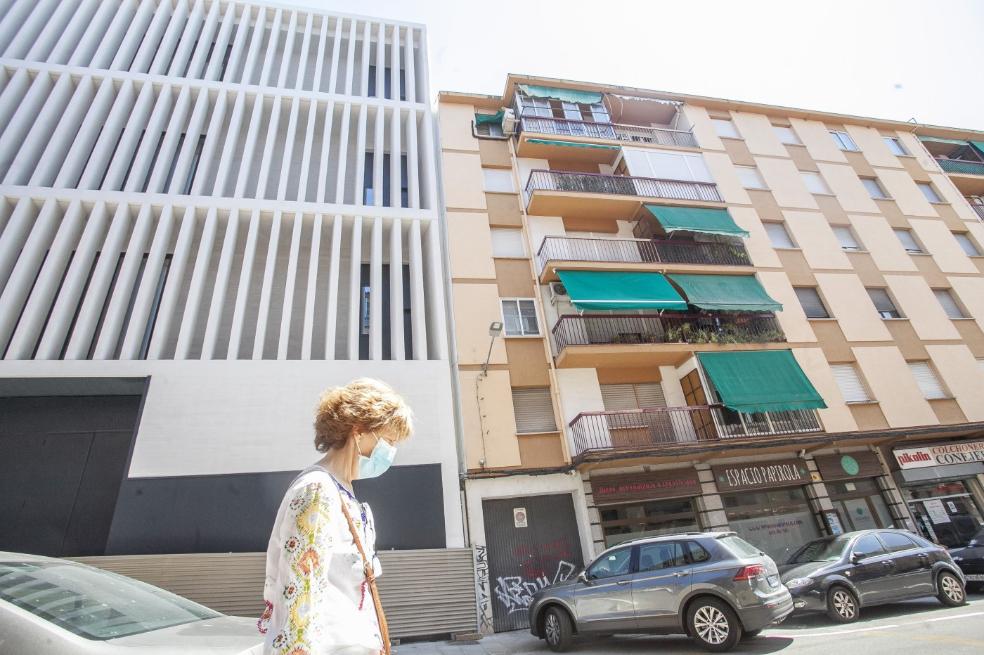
(673, 251)
(961, 166)
(622, 185)
(979, 209)
(671, 427)
(614, 131)
(671, 327)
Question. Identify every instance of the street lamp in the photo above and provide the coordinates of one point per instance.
(495, 329)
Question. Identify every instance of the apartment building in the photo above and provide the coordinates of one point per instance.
(211, 211)
(675, 313)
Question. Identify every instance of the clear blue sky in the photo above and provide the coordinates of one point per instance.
(896, 59)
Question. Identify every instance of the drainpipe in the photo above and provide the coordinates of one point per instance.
(459, 429)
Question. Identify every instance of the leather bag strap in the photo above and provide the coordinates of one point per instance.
(370, 579)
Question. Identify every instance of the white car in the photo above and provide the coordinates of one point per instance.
(57, 607)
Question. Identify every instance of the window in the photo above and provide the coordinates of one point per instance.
(617, 397)
(508, 243)
(844, 140)
(969, 247)
(617, 562)
(533, 410)
(845, 237)
(626, 521)
(698, 553)
(815, 183)
(896, 541)
(883, 303)
(661, 555)
(519, 316)
(849, 381)
(928, 191)
(778, 235)
(750, 178)
(895, 146)
(868, 546)
(907, 240)
(498, 180)
(813, 306)
(949, 303)
(929, 384)
(786, 135)
(666, 165)
(725, 128)
(387, 82)
(489, 129)
(369, 180)
(874, 188)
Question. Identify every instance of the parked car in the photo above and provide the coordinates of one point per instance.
(970, 559)
(58, 607)
(713, 586)
(841, 575)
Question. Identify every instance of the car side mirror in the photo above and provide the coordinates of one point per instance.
(583, 577)
(856, 557)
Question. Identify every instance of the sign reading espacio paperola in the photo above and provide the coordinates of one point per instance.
(677, 483)
(780, 473)
(946, 454)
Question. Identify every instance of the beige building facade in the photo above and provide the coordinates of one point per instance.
(678, 313)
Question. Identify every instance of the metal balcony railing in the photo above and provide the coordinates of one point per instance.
(671, 327)
(979, 209)
(671, 427)
(622, 185)
(674, 251)
(961, 166)
(614, 131)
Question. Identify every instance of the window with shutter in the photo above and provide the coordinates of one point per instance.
(750, 178)
(907, 240)
(874, 188)
(725, 128)
(813, 306)
(508, 243)
(929, 384)
(883, 303)
(786, 135)
(617, 397)
(778, 235)
(929, 192)
(895, 145)
(949, 303)
(815, 183)
(533, 410)
(498, 180)
(966, 243)
(850, 384)
(846, 238)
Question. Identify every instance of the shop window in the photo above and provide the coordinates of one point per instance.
(946, 513)
(647, 519)
(860, 504)
(778, 521)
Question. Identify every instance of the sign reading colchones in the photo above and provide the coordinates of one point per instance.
(946, 454)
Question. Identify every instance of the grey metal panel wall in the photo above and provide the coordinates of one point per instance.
(425, 592)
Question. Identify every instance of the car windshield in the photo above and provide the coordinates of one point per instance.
(92, 603)
(822, 550)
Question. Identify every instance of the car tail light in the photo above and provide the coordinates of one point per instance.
(749, 572)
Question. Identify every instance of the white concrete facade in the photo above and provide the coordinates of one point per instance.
(237, 200)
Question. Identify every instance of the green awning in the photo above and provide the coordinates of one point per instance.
(564, 95)
(573, 144)
(936, 139)
(732, 293)
(482, 119)
(760, 381)
(979, 146)
(620, 290)
(696, 219)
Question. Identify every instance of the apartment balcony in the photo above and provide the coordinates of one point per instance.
(573, 253)
(600, 196)
(979, 209)
(577, 137)
(961, 166)
(968, 176)
(678, 430)
(634, 340)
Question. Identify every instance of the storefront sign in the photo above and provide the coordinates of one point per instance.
(937, 513)
(833, 522)
(954, 452)
(742, 477)
(848, 466)
(678, 483)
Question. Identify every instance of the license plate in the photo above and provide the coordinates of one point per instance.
(773, 580)
(976, 577)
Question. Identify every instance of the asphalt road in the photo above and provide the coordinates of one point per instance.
(918, 626)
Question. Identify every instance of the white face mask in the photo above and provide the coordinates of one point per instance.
(378, 461)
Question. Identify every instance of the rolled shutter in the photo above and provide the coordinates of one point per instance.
(533, 410)
(810, 300)
(507, 243)
(928, 383)
(617, 397)
(850, 384)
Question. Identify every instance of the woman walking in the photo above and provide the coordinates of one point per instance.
(320, 596)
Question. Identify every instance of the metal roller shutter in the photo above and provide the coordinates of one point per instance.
(928, 383)
(618, 397)
(534, 410)
(851, 386)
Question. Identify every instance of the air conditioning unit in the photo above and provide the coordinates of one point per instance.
(509, 122)
(558, 293)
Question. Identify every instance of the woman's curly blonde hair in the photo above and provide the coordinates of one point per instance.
(363, 405)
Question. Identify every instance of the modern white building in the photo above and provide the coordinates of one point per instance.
(210, 211)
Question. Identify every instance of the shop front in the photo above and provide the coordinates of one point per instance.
(941, 484)
(767, 504)
(646, 504)
(851, 481)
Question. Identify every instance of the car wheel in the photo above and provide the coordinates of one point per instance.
(950, 590)
(557, 629)
(713, 625)
(842, 606)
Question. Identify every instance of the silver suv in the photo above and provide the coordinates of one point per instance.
(713, 586)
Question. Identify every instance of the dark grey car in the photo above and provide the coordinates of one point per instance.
(713, 586)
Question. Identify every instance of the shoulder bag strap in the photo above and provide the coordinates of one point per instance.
(370, 579)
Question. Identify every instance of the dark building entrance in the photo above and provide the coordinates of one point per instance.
(532, 542)
(62, 460)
